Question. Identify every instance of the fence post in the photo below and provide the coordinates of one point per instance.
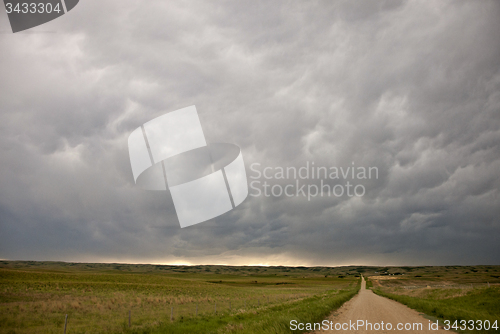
(215, 307)
(65, 323)
(196, 309)
(129, 316)
(172, 314)
(488, 284)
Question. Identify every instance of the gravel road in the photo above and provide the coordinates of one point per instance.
(369, 307)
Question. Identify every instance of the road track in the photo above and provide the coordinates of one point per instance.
(369, 307)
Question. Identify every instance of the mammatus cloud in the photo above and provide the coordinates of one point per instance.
(409, 87)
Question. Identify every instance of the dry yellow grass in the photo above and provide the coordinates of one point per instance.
(36, 301)
(428, 292)
(384, 278)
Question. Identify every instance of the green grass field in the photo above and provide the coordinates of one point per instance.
(267, 319)
(36, 296)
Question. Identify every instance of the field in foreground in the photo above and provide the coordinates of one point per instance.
(98, 298)
(270, 319)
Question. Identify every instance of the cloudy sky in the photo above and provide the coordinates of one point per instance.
(409, 87)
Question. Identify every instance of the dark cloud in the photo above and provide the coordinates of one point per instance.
(411, 88)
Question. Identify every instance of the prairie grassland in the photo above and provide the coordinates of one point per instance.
(268, 319)
(447, 276)
(36, 296)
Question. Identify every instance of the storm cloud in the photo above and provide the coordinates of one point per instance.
(409, 87)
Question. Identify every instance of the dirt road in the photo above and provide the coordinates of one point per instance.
(371, 308)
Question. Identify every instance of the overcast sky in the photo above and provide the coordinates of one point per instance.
(409, 87)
